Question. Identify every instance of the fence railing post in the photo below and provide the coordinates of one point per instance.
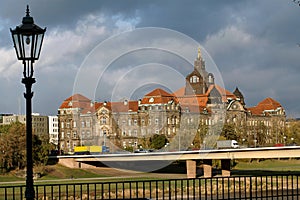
(244, 187)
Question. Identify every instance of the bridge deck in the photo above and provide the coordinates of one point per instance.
(244, 153)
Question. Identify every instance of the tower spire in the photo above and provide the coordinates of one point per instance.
(199, 53)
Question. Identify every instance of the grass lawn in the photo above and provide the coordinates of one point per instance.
(55, 172)
(9, 177)
(64, 174)
(61, 172)
(267, 167)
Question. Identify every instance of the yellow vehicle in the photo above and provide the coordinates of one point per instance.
(88, 150)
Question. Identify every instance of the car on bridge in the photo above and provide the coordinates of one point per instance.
(143, 151)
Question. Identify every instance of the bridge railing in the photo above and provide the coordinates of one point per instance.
(241, 187)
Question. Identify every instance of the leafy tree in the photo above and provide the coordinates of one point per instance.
(200, 135)
(4, 128)
(144, 142)
(261, 134)
(41, 149)
(293, 132)
(229, 132)
(158, 141)
(13, 147)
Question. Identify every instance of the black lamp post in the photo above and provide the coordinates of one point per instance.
(28, 39)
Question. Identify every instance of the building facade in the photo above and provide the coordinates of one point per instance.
(195, 110)
(39, 123)
(53, 129)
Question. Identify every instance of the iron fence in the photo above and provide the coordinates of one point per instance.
(239, 187)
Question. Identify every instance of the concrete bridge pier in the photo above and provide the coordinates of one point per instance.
(191, 168)
(207, 168)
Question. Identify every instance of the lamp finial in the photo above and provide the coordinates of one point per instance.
(27, 11)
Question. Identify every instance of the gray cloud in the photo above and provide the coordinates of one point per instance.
(253, 42)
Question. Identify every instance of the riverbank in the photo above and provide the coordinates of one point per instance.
(57, 172)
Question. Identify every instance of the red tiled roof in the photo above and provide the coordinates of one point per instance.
(76, 101)
(124, 107)
(266, 104)
(158, 96)
(131, 106)
(269, 103)
(199, 100)
(158, 93)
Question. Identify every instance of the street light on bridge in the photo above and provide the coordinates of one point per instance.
(28, 39)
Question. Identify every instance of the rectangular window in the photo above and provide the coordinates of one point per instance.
(82, 124)
(88, 134)
(103, 120)
(88, 124)
(74, 134)
(74, 124)
(62, 124)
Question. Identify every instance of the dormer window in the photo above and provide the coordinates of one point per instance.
(211, 78)
(194, 79)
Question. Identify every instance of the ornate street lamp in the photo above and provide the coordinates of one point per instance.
(28, 39)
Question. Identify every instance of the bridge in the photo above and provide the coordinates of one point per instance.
(191, 157)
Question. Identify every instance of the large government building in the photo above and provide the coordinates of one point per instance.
(194, 111)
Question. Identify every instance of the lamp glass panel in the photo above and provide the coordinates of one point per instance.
(26, 47)
(38, 45)
(17, 45)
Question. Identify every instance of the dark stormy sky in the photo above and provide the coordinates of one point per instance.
(253, 43)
